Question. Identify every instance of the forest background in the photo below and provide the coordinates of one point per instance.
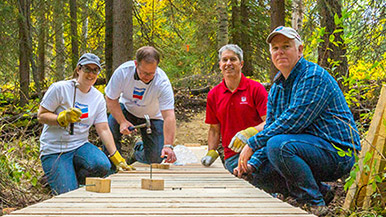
(41, 41)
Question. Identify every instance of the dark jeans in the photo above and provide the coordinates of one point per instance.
(231, 163)
(304, 161)
(65, 171)
(149, 151)
(266, 178)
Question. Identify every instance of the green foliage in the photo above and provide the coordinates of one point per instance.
(18, 161)
(20, 169)
(352, 177)
(172, 26)
(343, 153)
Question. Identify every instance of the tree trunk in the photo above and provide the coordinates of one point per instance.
(84, 18)
(222, 33)
(109, 39)
(277, 19)
(122, 32)
(331, 51)
(245, 38)
(297, 14)
(24, 69)
(59, 42)
(41, 51)
(31, 54)
(240, 34)
(236, 23)
(74, 33)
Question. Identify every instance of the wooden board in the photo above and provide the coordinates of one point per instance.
(190, 191)
(360, 192)
(152, 184)
(161, 166)
(99, 185)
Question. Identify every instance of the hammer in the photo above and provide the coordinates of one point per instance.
(76, 84)
(147, 125)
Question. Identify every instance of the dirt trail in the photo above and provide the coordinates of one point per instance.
(193, 131)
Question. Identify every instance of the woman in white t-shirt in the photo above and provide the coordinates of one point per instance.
(68, 110)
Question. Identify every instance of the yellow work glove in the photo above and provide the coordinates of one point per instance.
(240, 139)
(68, 116)
(209, 158)
(119, 162)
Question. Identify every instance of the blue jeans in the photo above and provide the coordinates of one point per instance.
(260, 178)
(305, 161)
(148, 151)
(231, 163)
(65, 171)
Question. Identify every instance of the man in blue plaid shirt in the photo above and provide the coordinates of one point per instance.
(308, 122)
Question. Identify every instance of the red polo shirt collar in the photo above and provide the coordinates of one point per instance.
(242, 85)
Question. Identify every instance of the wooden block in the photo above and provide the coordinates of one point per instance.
(152, 184)
(161, 166)
(8, 210)
(192, 144)
(99, 185)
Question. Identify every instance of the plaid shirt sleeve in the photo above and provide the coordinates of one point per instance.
(258, 158)
(309, 99)
(269, 117)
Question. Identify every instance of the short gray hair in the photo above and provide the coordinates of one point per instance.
(233, 47)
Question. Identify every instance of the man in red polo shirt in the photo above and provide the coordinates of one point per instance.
(236, 108)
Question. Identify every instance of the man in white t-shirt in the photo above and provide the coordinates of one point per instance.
(139, 88)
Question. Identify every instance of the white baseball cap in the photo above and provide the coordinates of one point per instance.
(286, 31)
(89, 58)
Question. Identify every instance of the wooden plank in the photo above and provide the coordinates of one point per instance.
(70, 200)
(166, 211)
(355, 197)
(377, 164)
(162, 215)
(167, 193)
(161, 166)
(206, 192)
(153, 205)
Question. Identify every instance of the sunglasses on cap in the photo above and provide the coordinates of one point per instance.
(87, 69)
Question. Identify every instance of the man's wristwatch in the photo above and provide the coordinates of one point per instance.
(169, 146)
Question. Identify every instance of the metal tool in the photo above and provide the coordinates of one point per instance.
(76, 84)
(151, 171)
(147, 125)
(87, 185)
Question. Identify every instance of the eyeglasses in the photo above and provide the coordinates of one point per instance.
(87, 69)
(146, 74)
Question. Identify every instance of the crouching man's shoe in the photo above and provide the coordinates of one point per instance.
(318, 210)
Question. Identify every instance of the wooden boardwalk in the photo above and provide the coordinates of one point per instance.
(190, 191)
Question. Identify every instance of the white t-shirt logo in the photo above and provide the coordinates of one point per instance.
(83, 108)
(138, 93)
